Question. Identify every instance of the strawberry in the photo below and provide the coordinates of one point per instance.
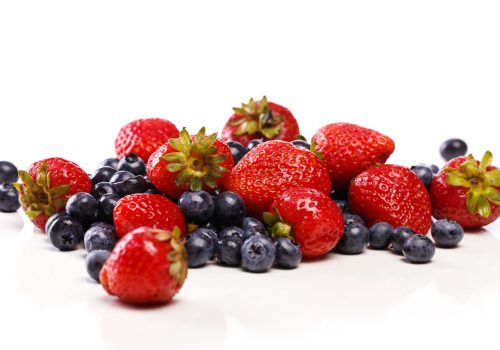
(193, 163)
(467, 191)
(46, 186)
(151, 210)
(147, 266)
(273, 167)
(143, 136)
(307, 216)
(260, 120)
(393, 194)
(349, 149)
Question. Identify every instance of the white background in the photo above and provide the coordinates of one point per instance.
(72, 73)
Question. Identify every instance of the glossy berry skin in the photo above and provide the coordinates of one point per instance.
(106, 206)
(54, 218)
(65, 233)
(136, 184)
(147, 210)
(237, 150)
(301, 144)
(255, 177)
(419, 249)
(447, 233)
(350, 149)
(143, 136)
(198, 207)
(100, 236)
(229, 208)
(453, 148)
(253, 143)
(350, 218)
(399, 236)
(9, 199)
(83, 207)
(228, 251)
(8, 172)
(121, 176)
(258, 254)
(111, 162)
(147, 266)
(133, 164)
(380, 235)
(207, 232)
(232, 231)
(249, 223)
(392, 194)
(424, 173)
(354, 239)
(103, 188)
(94, 261)
(102, 174)
(199, 248)
(288, 254)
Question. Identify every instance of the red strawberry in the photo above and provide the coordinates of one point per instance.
(467, 191)
(190, 163)
(147, 266)
(260, 120)
(143, 136)
(349, 150)
(151, 210)
(273, 167)
(309, 217)
(47, 185)
(393, 194)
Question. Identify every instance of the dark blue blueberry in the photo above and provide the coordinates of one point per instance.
(447, 233)
(106, 204)
(120, 176)
(229, 209)
(380, 235)
(424, 173)
(343, 205)
(136, 184)
(258, 254)
(103, 188)
(8, 172)
(100, 236)
(237, 150)
(453, 148)
(418, 249)
(253, 143)
(103, 174)
(232, 231)
(434, 168)
(228, 251)
(209, 233)
(198, 207)
(399, 237)
(112, 162)
(353, 219)
(210, 225)
(354, 239)
(288, 254)
(251, 231)
(53, 218)
(94, 261)
(199, 248)
(248, 223)
(301, 144)
(338, 195)
(65, 233)
(9, 198)
(83, 207)
(133, 164)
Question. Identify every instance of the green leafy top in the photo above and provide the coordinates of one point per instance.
(177, 256)
(278, 226)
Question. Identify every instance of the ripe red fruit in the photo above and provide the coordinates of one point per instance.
(151, 210)
(273, 167)
(46, 186)
(309, 217)
(147, 266)
(260, 120)
(467, 191)
(143, 136)
(393, 194)
(193, 163)
(349, 149)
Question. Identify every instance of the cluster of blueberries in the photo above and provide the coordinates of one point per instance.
(9, 197)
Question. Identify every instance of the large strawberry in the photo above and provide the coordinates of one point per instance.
(467, 191)
(273, 167)
(309, 217)
(151, 210)
(393, 194)
(46, 186)
(349, 150)
(190, 163)
(260, 120)
(143, 136)
(147, 266)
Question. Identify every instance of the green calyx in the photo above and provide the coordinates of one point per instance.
(318, 154)
(256, 117)
(278, 226)
(480, 182)
(195, 161)
(178, 256)
(37, 195)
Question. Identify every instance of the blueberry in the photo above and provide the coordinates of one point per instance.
(133, 164)
(210, 225)
(9, 198)
(228, 251)
(419, 249)
(253, 143)
(399, 237)
(253, 225)
(65, 233)
(136, 184)
(106, 204)
(94, 261)
(229, 208)
(103, 188)
(8, 172)
(353, 219)
(354, 239)
(53, 218)
(83, 207)
(380, 235)
(209, 233)
(102, 174)
(447, 233)
(434, 168)
(288, 254)
(258, 254)
(237, 150)
(453, 148)
(301, 144)
(112, 162)
(232, 231)
(120, 176)
(199, 248)
(198, 207)
(424, 173)
(343, 205)
(100, 236)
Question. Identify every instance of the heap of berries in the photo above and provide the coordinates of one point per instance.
(259, 196)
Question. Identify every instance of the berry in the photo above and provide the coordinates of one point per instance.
(258, 254)
(133, 164)
(199, 248)
(237, 150)
(253, 143)
(106, 205)
(418, 249)
(424, 173)
(83, 207)
(447, 233)
(136, 184)
(399, 237)
(111, 162)
(209, 233)
(9, 198)
(100, 236)
(103, 188)
(288, 254)
(248, 223)
(102, 174)
(343, 205)
(301, 144)
(228, 251)
(350, 218)
(232, 231)
(453, 148)
(121, 176)
(229, 208)
(349, 149)
(8, 172)
(94, 261)
(380, 235)
(53, 218)
(198, 207)
(354, 239)
(434, 168)
(65, 233)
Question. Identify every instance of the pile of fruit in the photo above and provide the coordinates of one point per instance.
(258, 197)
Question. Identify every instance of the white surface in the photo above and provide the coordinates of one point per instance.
(71, 73)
